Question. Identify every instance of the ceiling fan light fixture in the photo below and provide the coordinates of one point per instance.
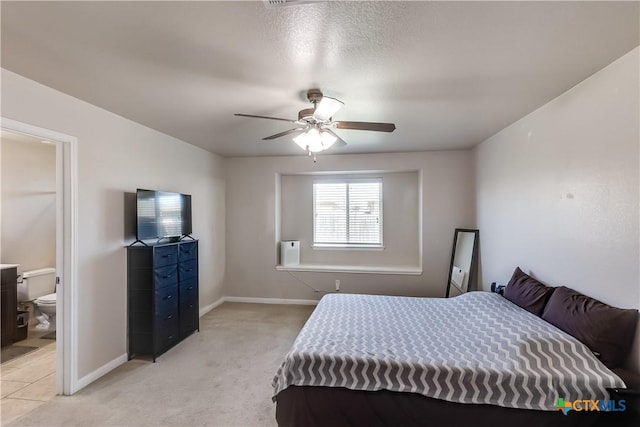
(327, 139)
(315, 125)
(314, 140)
(326, 108)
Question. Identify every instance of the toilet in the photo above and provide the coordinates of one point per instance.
(39, 287)
(47, 306)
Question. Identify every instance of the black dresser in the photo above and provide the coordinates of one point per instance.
(162, 296)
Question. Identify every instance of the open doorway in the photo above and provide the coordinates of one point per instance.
(28, 256)
(62, 325)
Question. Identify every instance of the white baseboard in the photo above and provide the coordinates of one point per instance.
(103, 370)
(204, 310)
(271, 300)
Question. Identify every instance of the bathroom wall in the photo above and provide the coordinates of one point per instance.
(28, 200)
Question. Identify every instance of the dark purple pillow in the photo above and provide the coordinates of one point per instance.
(606, 330)
(527, 292)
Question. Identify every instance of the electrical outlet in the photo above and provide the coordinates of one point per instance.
(337, 285)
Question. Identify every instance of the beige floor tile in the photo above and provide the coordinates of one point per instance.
(43, 390)
(10, 409)
(29, 358)
(8, 387)
(34, 371)
(5, 371)
(36, 342)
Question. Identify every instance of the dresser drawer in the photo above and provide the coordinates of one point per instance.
(167, 332)
(188, 251)
(166, 301)
(165, 255)
(188, 291)
(188, 269)
(166, 276)
(189, 321)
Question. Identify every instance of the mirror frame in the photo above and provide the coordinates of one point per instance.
(474, 258)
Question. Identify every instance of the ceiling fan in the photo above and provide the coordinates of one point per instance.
(314, 132)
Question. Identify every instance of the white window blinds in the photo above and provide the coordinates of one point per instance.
(347, 213)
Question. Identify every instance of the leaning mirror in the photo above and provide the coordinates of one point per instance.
(462, 272)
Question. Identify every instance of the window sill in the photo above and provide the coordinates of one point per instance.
(364, 269)
(346, 248)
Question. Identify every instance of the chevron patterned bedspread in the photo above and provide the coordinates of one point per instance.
(475, 348)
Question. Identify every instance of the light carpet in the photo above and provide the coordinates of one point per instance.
(220, 376)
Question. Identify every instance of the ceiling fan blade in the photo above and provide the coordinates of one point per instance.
(339, 141)
(378, 127)
(286, 132)
(265, 117)
(326, 108)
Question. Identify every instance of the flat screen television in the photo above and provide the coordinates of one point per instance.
(162, 214)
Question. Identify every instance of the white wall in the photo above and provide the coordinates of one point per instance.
(252, 227)
(28, 201)
(557, 191)
(400, 221)
(116, 155)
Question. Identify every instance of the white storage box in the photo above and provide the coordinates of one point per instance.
(290, 252)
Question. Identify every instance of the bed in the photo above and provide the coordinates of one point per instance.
(476, 359)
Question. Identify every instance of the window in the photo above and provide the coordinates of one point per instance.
(347, 213)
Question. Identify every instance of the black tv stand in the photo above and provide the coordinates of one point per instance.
(187, 236)
(138, 241)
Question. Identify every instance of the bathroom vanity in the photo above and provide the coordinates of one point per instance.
(9, 302)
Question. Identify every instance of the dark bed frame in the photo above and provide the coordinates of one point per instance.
(305, 406)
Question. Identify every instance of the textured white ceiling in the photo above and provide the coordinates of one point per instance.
(448, 74)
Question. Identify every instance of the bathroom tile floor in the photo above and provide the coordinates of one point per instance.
(28, 381)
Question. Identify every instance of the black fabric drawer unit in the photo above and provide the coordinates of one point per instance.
(188, 269)
(188, 321)
(163, 303)
(166, 301)
(165, 255)
(188, 250)
(189, 293)
(166, 276)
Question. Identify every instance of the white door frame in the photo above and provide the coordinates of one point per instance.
(66, 244)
